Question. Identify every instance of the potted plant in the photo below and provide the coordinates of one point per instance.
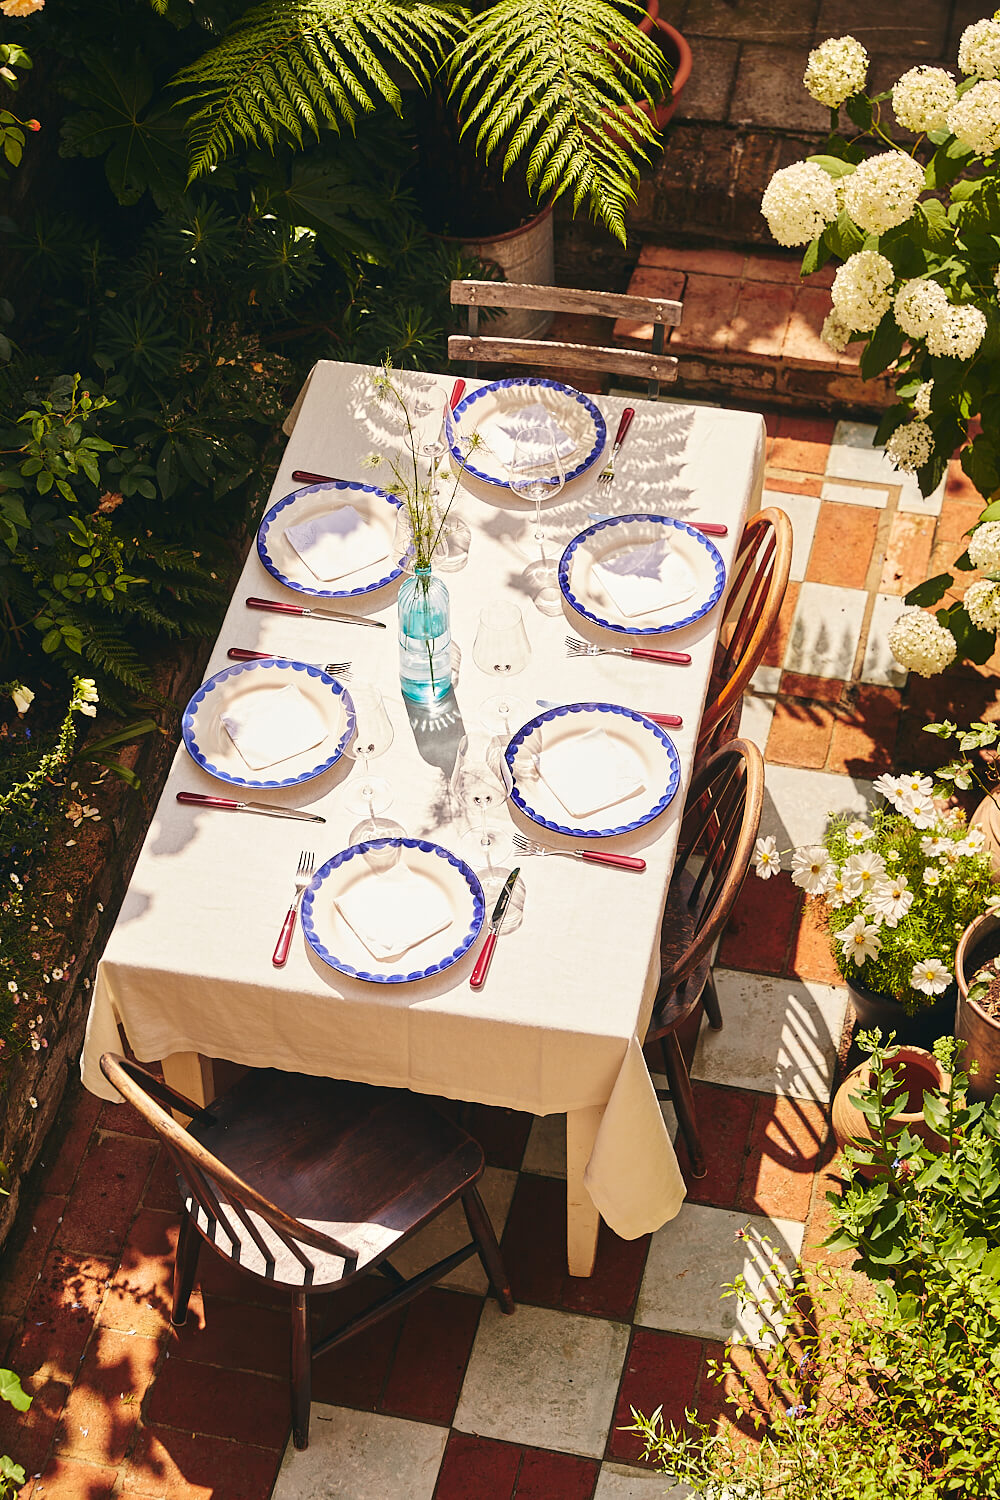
(876, 1104)
(898, 890)
(977, 1019)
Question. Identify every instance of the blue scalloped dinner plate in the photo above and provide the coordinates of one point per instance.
(646, 751)
(574, 412)
(283, 562)
(335, 942)
(207, 739)
(615, 537)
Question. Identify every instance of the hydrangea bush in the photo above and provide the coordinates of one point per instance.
(898, 889)
(910, 206)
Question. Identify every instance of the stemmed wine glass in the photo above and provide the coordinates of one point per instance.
(372, 794)
(477, 784)
(501, 650)
(536, 472)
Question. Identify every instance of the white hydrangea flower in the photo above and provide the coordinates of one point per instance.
(982, 603)
(799, 202)
(975, 118)
(918, 306)
(835, 70)
(922, 399)
(810, 868)
(883, 191)
(910, 446)
(979, 49)
(920, 644)
(862, 290)
(835, 334)
(891, 900)
(959, 333)
(860, 941)
(922, 98)
(984, 547)
(767, 860)
(930, 977)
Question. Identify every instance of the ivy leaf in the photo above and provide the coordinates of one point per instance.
(930, 591)
(143, 147)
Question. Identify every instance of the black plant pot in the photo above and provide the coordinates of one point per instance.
(872, 1010)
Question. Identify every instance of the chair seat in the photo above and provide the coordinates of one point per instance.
(328, 1153)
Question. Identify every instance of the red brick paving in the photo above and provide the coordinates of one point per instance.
(662, 1369)
(842, 546)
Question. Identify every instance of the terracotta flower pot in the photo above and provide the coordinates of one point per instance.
(987, 817)
(979, 1031)
(921, 1072)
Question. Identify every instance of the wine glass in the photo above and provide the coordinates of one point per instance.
(477, 784)
(501, 650)
(536, 472)
(372, 794)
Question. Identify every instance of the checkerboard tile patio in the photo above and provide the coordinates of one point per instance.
(448, 1401)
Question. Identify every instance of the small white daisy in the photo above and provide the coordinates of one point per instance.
(857, 834)
(930, 977)
(919, 809)
(932, 877)
(767, 860)
(891, 788)
(860, 941)
(836, 890)
(891, 900)
(862, 872)
(934, 844)
(810, 869)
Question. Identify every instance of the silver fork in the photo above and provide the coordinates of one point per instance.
(303, 875)
(608, 472)
(576, 647)
(593, 856)
(341, 669)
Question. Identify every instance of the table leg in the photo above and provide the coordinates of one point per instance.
(582, 1218)
(191, 1074)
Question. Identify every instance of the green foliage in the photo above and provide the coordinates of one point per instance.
(139, 137)
(12, 1475)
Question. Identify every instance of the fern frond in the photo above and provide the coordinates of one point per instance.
(290, 64)
(557, 80)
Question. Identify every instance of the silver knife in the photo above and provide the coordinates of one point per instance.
(230, 804)
(280, 607)
(496, 922)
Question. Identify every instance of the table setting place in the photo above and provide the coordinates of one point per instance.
(394, 908)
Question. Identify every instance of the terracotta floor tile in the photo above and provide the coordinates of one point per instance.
(123, 1119)
(427, 1389)
(842, 547)
(761, 319)
(781, 268)
(545, 1475)
(785, 1146)
(810, 956)
(662, 1369)
(724, 1117)
(800, 734)
(706, 262)
(218, 1276)
(774, 656)
(647, 281)
(106, 1194)
(167, 1465)
(476, 1468)
(534, 1249)
(103, 1407)
(161, 1189)
(141, 1291)
(60, 1314)
(709, 309)
(713, 1405)
(821, 1222)
(28, 1435)
(863, 743)
(908, 553)
(803, 443)
(27, 1248)
(760, 926)
(235, 1336)
(792, 483)
(70, 1137)
(960, 490)
(802, 685)
(243, 1407)
(72, 1479)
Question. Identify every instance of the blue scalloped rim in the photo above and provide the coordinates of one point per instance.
(510, 755)
(565, 563)
(466, 404)
(312, 890)
(303, 588)
(283, 662)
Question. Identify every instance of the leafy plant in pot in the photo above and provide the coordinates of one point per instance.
(898, 890)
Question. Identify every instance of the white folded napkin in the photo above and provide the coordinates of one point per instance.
(340, 542)
(272, 726)
(644, 578)
(588, 772)
(394, 912)
(533, 427)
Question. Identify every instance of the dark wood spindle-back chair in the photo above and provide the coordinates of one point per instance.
(310, 1183)
(760, 578)
(718, 834)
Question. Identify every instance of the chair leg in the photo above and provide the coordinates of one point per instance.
(710, 1000)
(683, 1099)
(489, 1251)
(185, 1266)
(301, 1370)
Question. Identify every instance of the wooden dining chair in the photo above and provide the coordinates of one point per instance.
(653, 366)
(310, 1183)
(717, 838)
(760, 578)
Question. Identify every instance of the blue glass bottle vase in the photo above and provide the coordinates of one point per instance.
(424, 638)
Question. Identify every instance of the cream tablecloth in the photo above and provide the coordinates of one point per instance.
(188, 966)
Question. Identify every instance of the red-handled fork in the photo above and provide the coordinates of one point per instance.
(592, 856)
(576, 647)
(303, 875)
(341, 669)
(608, 472)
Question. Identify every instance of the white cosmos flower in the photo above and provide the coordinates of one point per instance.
(915, 781)
(891, 788)
(862, 872)
(836, 890)
(810, 868)
(933, 845)
(22, 697)
(767, 860)
(860, 940)
(857, 834)
(930, 977)
(975, 839)
(932, 877)
(919, 809)
(891, 900)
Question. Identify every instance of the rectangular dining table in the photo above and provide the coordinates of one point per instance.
(187, 973)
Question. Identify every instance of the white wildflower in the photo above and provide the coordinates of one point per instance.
(918, 306)
(799, 202)
(860, 940)
(862, 290)
(959, 333)
(882, 192)
(22, 697)
(85, 696)
(922, 98)
(916, 781)
(862, 873)
(835, 334)
(979, 49)
(930, 977)
(920, 644)
(857, 834)
(919, 809)
(12, 986)
(922, 399)
(984, 547)
(931, 877)
(982, 602)
(891, 900)
(836, 70)
(33, 1102)
(891, 788)
(910, 446)
(766, 858)
(810, 868)
(975, 839)
(975, 118)
(934, 844)
(836, 890)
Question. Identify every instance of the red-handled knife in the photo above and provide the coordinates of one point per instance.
(281, 607)
(230, 804)
(496, 922)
